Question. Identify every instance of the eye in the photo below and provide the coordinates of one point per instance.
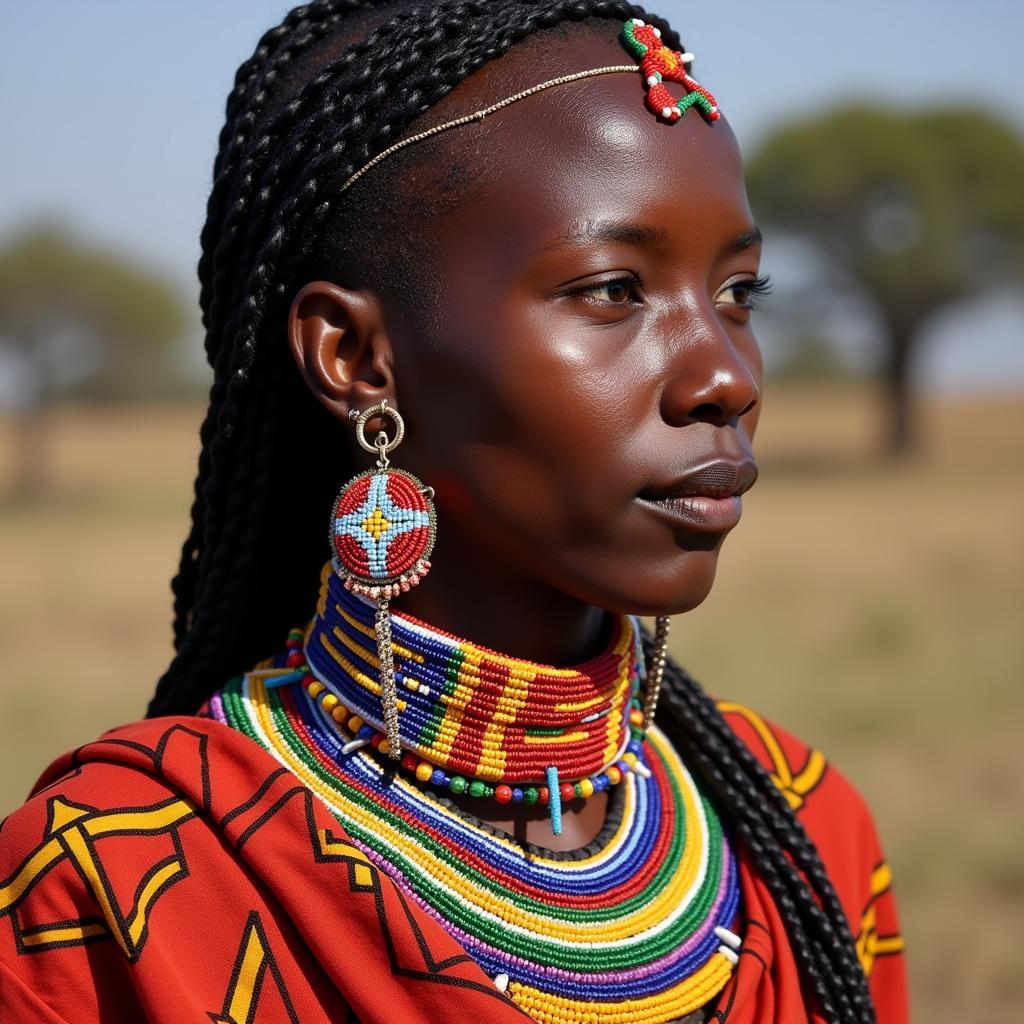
(618, 291)
(744, 294)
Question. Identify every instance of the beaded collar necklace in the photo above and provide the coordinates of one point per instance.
(472, 719)
(638, 926)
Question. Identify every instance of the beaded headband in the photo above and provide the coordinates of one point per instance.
(658, 64)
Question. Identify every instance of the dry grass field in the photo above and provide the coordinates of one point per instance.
(873, 609)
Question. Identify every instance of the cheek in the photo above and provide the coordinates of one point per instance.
(531, 427)
(751, 353)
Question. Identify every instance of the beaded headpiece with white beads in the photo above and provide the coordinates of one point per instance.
(658, 64)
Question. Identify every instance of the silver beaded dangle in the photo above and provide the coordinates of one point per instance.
(383, 528)
(655, 669)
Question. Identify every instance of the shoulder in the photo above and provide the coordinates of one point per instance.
(839, 822)
(47, 845)
(831, 809)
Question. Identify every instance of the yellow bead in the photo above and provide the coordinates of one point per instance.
(315, 688)
(636, 717)
(339, 714)
(385, 747)
(329, 701)
(355, 723)
(629, 758)
(586, 787)
(411, 684)
(614, 775)
(424, 770)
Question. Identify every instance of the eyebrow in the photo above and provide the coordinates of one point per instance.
(640, 235)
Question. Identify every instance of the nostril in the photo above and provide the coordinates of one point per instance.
(709, 412)
(750, 405)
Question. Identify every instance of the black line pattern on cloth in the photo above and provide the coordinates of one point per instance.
(254, 959)
(72, 833)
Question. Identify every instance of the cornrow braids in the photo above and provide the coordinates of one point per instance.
(335, 83)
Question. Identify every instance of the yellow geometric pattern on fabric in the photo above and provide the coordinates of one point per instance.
(363, 873)
(252, 963)
(794, 787)
(870, 944)
(70, 833)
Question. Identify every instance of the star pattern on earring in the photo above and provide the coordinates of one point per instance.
(377, 521)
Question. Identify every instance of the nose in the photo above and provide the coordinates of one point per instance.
(710, 380)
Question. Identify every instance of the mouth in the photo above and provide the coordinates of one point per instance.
(707, 498)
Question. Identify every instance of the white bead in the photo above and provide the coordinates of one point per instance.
(501, 982)
(652, 79)
(666, 111)
(686, 58)
(728, 937)
(638, 23)
(729, 954)
(657, 32)
(353, 745)
(642, 770)
(424, 689)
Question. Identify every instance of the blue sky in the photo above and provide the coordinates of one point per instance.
(111, 111)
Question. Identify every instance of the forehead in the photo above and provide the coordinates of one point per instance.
(594, 143)
(588, 149)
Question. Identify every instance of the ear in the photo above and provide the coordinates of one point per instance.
(339, 340)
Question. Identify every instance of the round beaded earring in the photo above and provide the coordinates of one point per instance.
(383, 527)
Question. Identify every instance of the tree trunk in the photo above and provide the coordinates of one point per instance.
(901, 434)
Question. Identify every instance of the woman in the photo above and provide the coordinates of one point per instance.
(537, 317)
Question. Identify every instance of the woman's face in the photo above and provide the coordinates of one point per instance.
(592, 347)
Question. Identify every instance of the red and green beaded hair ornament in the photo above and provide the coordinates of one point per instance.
(659, 64)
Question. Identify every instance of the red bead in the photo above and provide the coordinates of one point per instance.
(375, 740)
(503, 794)
(568, 791)
(542, 795)
(409, 762)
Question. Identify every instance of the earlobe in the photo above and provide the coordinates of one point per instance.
(338, 338)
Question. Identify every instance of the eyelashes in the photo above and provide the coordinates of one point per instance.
(756, 288)
(626, 289)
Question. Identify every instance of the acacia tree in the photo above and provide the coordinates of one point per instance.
(919, 209)
(75, 318)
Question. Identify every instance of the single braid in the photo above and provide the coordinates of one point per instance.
(335, 83)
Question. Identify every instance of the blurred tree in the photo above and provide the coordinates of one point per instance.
(920, 209)
(77, 319)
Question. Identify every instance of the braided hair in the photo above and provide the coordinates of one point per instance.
(335, 83)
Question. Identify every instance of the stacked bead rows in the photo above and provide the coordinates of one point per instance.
(472, 711)
(632, 929)
(361, 734)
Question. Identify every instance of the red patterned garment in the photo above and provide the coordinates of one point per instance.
(173, 871)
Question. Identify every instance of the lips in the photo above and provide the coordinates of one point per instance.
(721, 478)
(705, 498)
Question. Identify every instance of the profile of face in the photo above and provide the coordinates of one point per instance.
(584, 392)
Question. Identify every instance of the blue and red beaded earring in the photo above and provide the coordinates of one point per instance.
(383, 527)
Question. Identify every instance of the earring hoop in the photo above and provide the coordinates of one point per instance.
(362, 418)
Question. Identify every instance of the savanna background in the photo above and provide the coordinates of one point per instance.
(871, 598)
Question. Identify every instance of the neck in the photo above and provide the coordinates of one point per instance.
(510, 612)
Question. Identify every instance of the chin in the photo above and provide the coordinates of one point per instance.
(667, 587)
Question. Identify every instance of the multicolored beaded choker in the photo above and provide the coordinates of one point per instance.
(636, 927)
(472, 719)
